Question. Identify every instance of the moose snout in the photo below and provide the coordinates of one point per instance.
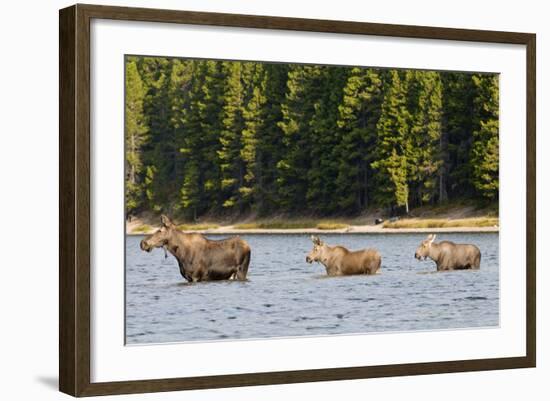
(144, 246)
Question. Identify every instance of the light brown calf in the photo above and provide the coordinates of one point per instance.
(339, 261)
(449, 256)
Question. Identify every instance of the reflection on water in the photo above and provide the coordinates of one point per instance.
(285, 296)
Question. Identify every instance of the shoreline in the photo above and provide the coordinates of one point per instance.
(366, 229)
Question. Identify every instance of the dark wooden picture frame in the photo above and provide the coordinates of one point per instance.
(74, 203)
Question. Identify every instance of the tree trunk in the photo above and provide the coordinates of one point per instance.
(443, 142)
(442, 186)
(365, 189)
(132, 166)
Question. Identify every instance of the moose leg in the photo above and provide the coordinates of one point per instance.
(242, 269)
(184, 273)
(477, 261)
(200, 274)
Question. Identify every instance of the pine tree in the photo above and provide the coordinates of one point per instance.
(458, 96)
(298, 110)
(270, 149)
(199, 138)
(211, 125)
(251, 153)
(359, 113)
(189, 136)
(485, 148)
(323, 134)
(231, 164)
(397, 167)
(425, 160)
(160, 152)
(210, 137)
(135, 135)
(178, 93)
(393, 145)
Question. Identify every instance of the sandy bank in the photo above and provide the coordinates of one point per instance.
(366, 229)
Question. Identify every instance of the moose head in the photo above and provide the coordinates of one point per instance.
(161, 237)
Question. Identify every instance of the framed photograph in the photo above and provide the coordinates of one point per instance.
(250, 200)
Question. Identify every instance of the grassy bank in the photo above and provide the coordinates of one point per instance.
(443, 223)
(142, 229)
(288, 224)
(462, 217)
(198, 227)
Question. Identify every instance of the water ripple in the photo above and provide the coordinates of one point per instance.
(286, 297)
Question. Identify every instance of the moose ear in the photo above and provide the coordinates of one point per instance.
(165, 221)
(431, 238)
(315, 239)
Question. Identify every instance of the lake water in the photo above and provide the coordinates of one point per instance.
(285, 296)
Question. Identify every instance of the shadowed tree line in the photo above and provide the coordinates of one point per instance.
(212, 137)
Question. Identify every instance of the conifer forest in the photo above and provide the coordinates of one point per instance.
(231, 138)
